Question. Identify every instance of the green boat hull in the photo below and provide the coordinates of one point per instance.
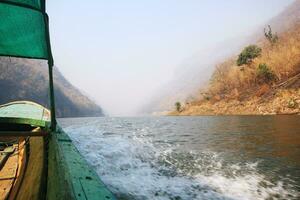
(54, 169)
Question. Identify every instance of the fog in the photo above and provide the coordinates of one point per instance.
(137, 57)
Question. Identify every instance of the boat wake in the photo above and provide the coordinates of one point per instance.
(133, 167)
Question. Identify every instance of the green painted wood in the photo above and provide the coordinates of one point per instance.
(25, 112)
(76, 179)
(58, 182)
(24, 109)
(68, 174)
(32, 122)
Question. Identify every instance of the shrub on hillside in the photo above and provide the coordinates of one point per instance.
(178, 106)
(248, 54)
(271, 37)
(207, 98)
(292, 103)
(265, 74)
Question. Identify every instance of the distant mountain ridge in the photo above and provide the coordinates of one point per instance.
(194, 76)
(26, 79)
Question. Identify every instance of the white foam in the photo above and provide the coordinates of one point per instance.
(133, 168)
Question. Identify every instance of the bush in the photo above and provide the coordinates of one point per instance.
(264, 73)
(207, 98)
(272, 38)
(248, 54)
(178, 106)
(292, 103)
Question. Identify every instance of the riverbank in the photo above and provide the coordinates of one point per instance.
(264, 79)
(281, 101)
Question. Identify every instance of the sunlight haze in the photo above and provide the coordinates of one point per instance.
(120, 53)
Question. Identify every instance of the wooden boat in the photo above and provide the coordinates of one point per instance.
(37, 158)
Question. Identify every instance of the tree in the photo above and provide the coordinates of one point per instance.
(272, 38)
(248, 54)
(264, 73)
(178, 106)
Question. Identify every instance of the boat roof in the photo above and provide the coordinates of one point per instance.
(24, 112)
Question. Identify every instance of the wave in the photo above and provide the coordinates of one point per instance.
(134, 167)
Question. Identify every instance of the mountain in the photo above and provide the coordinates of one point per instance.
(27, 79)
(194, 75)
(268, 84)
(288, 19)
(191, 76)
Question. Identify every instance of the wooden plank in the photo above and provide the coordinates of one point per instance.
(34, 178)
(22, 158)
(10, 167)
(4, 156)
(7, 174)
(5, 186)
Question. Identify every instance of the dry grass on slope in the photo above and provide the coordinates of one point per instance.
(282, 58)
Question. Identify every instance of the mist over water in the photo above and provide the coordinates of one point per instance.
(192, 157)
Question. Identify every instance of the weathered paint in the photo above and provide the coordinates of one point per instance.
(71, 176)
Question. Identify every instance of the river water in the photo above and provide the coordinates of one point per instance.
(185, 158)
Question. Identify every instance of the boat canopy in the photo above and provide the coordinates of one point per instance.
(24, 32)
(23, 29)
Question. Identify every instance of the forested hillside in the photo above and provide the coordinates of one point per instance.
(24, 79)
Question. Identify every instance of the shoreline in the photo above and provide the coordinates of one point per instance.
(281, 102)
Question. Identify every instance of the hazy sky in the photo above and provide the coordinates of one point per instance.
(121, 52)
